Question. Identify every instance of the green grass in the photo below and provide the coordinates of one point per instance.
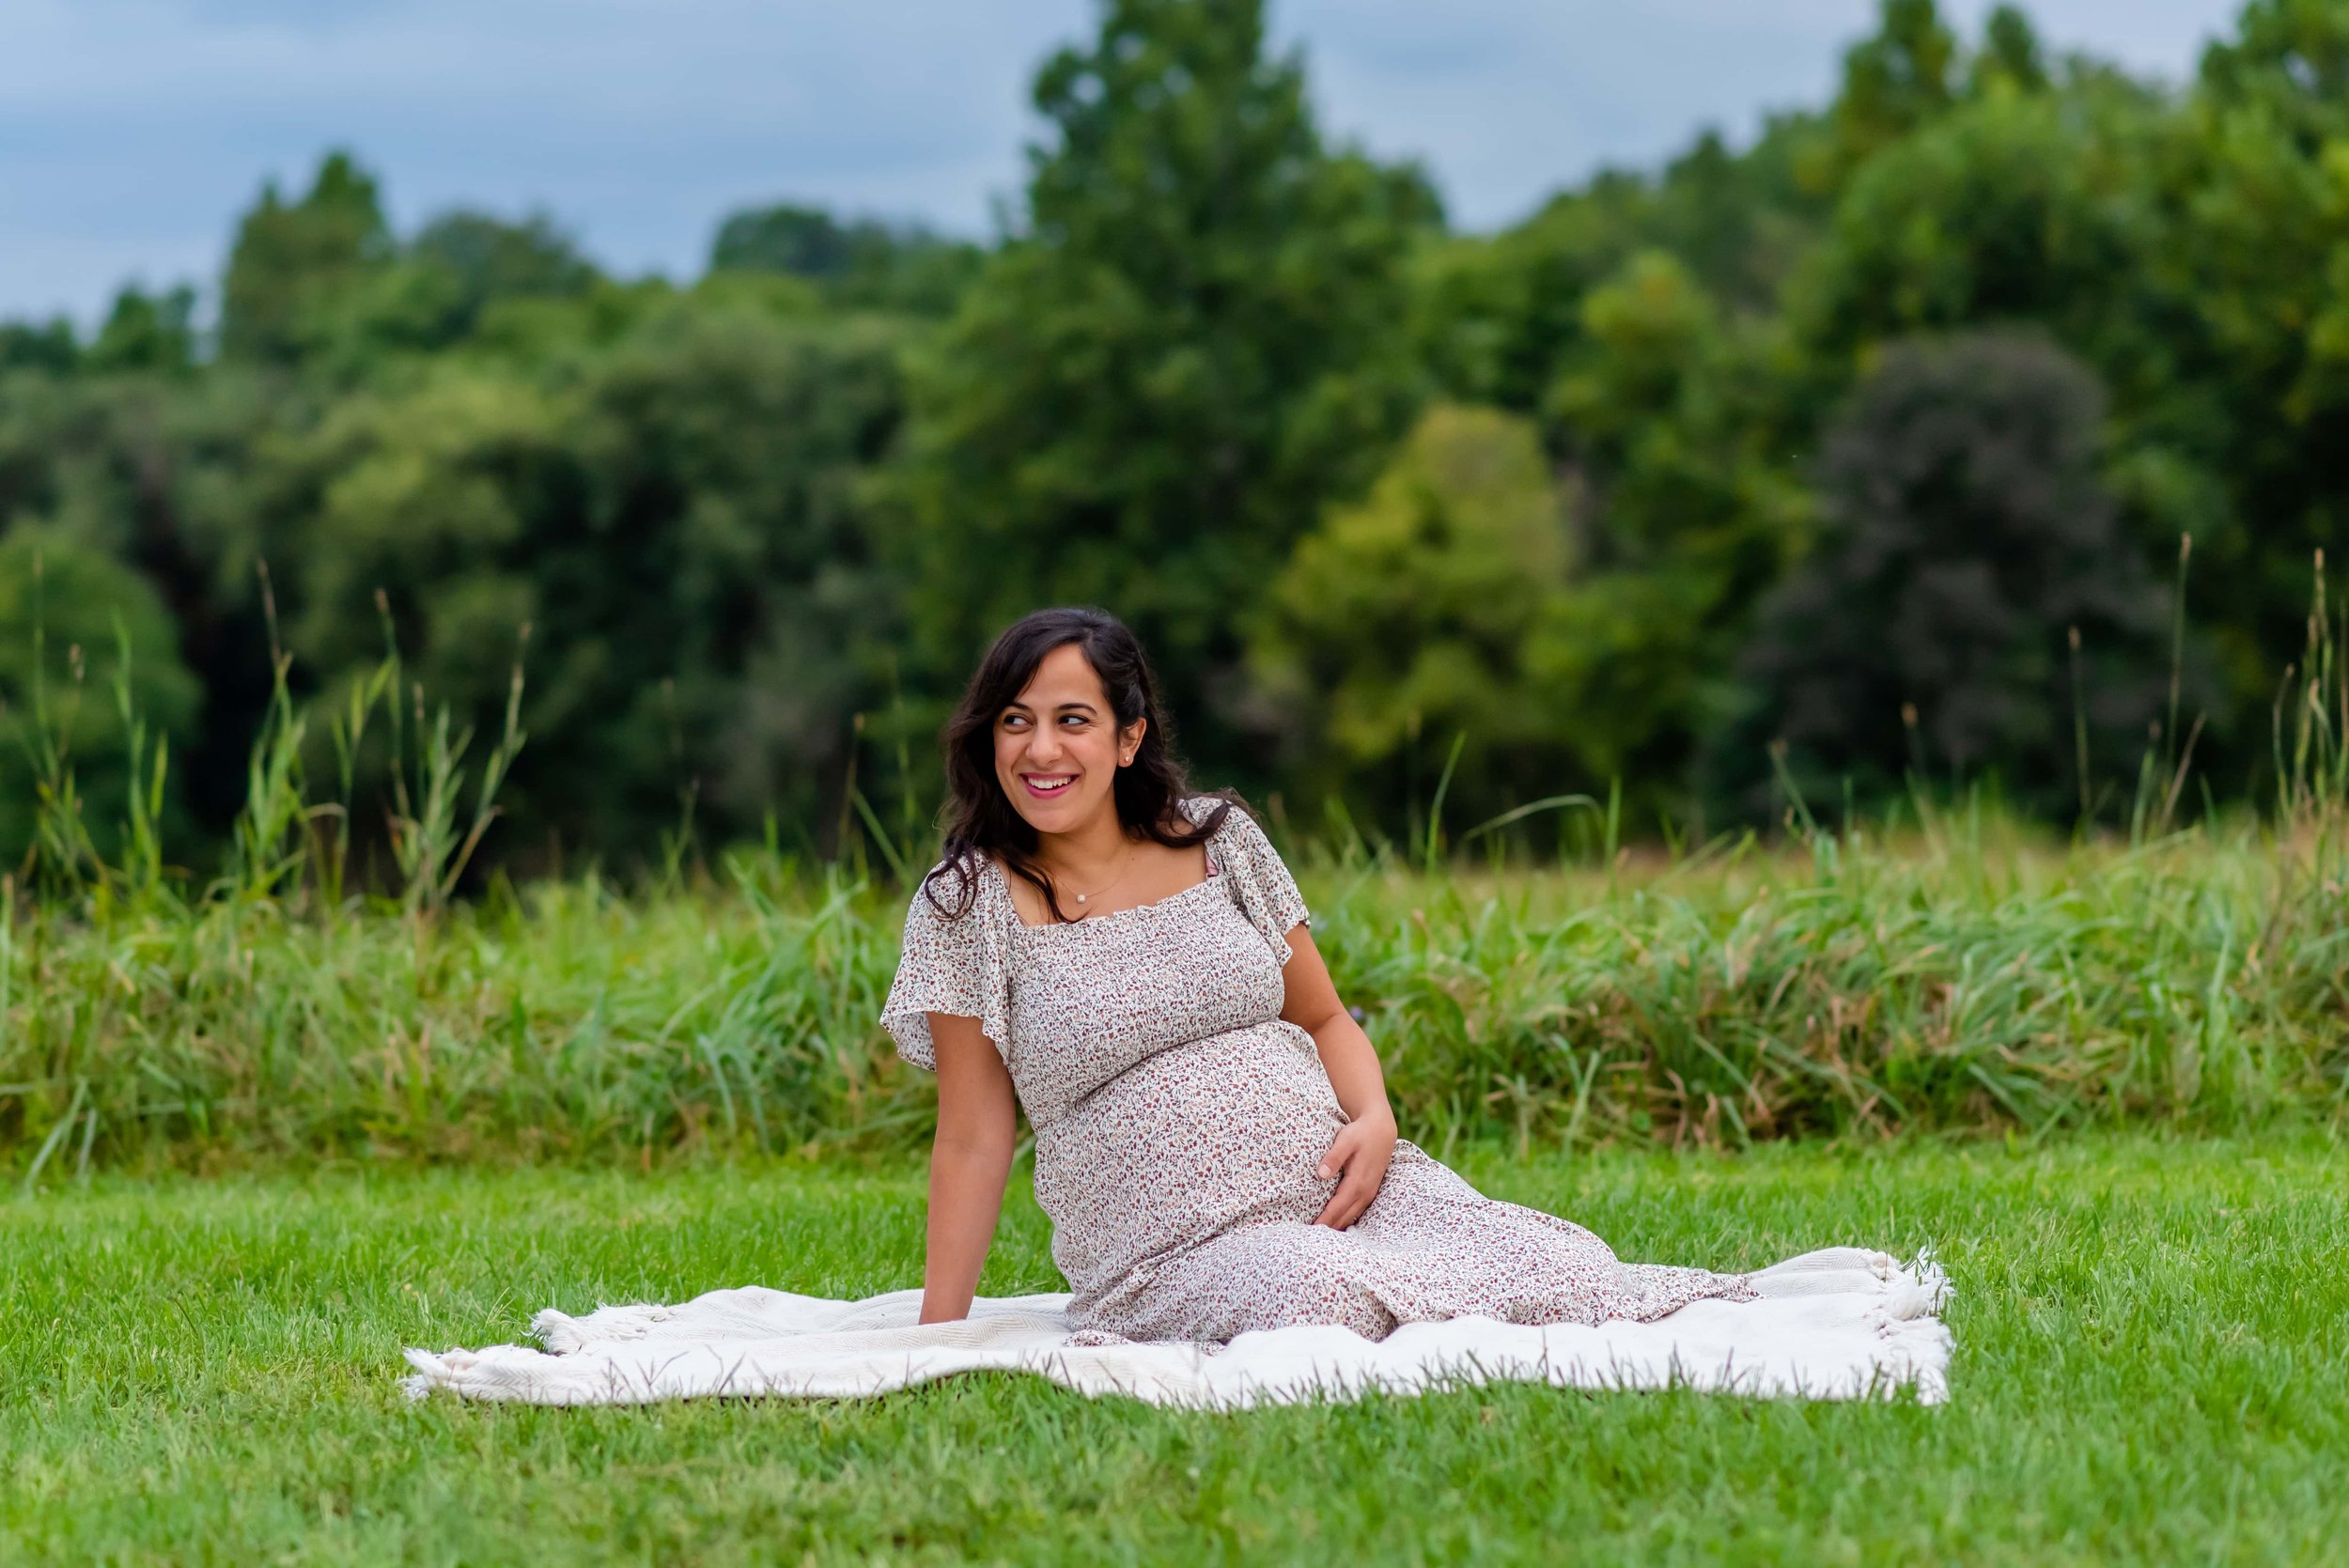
(1966, 977)
(2153, 1364)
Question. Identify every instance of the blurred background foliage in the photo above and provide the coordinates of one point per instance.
(1876, 436)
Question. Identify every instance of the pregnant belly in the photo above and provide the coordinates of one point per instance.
(1184, 1146)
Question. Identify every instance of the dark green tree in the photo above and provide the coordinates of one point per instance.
(678, 519)
(66, 611)
(152, 470)
(294, 264)
(804, 241)
(2253, 176)
(2007, 211)
(1187, 351)
(1967, 532)
(489, 258)
(1683, 517)
(1493, 315)
(497, 259)
(862, 263)
(146, 331)
(52, 346)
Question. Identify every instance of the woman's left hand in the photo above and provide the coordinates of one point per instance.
(1359, 1155)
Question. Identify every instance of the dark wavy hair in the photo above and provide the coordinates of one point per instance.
(980, 819)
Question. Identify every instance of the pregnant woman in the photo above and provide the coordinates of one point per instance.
(1129, 963)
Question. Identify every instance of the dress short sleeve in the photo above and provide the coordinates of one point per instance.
(1259, 879)
(947, 964)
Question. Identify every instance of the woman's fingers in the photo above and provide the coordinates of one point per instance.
(1353, 1196)
(1334, 1164)
(1362, 1174)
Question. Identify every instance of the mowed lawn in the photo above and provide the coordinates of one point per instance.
(2153, 1365)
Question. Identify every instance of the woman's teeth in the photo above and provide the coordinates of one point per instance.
(1050, 784)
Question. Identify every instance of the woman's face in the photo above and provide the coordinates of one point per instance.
(1058, 747)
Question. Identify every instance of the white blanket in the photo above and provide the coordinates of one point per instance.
(1840, 1323)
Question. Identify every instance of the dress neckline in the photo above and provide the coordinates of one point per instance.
(1011, 910)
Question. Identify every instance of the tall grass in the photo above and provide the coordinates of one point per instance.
(1951, 970)
(1963, 980)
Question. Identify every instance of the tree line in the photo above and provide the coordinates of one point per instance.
(1859, 453)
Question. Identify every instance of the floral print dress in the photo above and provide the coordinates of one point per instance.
(1178, 1121)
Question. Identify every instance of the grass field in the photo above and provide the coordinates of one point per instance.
(2153, 1365)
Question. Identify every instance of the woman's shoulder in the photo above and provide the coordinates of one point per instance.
(1226, 811)
(954, 887)
(1236, 840)
(1252, 868)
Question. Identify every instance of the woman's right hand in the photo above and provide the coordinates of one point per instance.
(1358, 1157)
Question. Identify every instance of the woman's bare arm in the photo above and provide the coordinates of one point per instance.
(1364, 1146)
(970, 1162)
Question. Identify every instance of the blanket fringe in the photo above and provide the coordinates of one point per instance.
(1920, 1287)
(560, 1334)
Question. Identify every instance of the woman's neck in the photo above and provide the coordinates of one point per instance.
(1078, 853)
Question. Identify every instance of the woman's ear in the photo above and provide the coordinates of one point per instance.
(1129, 741)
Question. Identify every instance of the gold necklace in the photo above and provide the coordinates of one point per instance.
(1085, 897)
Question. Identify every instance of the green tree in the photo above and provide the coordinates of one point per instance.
(441, 287)
(1968, 532)
(146, 331)
(154, 471)
(1405, 615)
(2011, 59)
(804, 241)
(52, 346)
(741, 452)
(1683, 519)
(1895, 81)
(65, 610)
(1186, 353)
(1496, 317)
(495, 259)
(865, 263)
(2255, 195)
(678, 519)
(1198, 347)
(2004, 211)
(1493, 315)
(294, 263)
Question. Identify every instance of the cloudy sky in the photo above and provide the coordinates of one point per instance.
(131, 132)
